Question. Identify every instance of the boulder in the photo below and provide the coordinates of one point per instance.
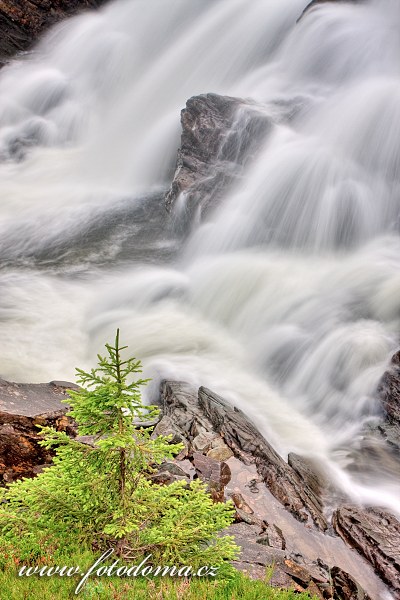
(220, 135)
(389, 395)
(374, 533)
(22, 22)
(22, 408)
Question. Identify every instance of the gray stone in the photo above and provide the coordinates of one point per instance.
(375, 533)
(220, 453)
(166, 427)
(388, 393)
(220, 135)
(203, 441)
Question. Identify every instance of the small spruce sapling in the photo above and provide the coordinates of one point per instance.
(100, 495)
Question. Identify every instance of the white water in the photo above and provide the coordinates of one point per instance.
(287, 300)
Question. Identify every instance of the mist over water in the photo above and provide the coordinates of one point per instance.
(286, 299)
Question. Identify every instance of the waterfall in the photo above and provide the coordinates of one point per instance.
(285, 300)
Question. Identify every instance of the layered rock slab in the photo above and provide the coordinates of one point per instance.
(220, 136)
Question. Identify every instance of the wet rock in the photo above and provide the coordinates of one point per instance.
(298, 572)
(376, 535)
(345, 587)
(22, 22)
(220, 135)
(388, 393)
(308, 471)
(251, 552)
(22, 408)
(173, 468)
(253, 486)
(244, 439)
(267, 490)
(244, 513)
(314, 481)
(145, 424)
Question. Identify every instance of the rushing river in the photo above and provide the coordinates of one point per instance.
(287, 299)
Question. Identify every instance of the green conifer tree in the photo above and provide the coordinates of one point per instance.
(100, 495)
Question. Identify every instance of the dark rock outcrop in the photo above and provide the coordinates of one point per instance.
(196, 413)
(220, 135)
(22, 408)
(376, 535)
(22, 21)
(280, 517)
(246, 442)
(389, 395)
(315, 578)
(344, 586)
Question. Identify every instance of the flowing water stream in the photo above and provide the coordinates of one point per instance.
(287, 299)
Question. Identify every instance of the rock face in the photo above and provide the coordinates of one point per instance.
(220, 135)
(22, 22)
(195, 414)
(375, 534)
(22, 407)
(389, 396)
(280, 517)
(345, 586)
(248, 444)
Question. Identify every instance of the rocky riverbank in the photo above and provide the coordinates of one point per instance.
(282, 506)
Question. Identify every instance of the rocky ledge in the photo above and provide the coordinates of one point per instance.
(22, 22)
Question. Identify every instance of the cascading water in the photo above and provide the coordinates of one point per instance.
(287, 299)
